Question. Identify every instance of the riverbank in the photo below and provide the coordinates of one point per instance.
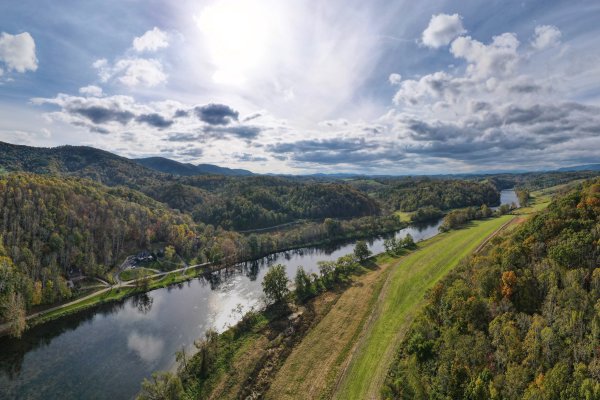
(125, 289)
(369, 314)
(403, 295)
(276, 356)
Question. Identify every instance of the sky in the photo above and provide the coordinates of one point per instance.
(373, 87)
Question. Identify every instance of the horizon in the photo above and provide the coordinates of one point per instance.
(354, 88)
(334, 174)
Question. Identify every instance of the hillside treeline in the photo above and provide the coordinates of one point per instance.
(244, 203)
(521, 321)
(53, 228)
(411, 195)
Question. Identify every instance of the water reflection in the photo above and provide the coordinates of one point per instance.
(148, 347)
(143, 302)
(106, 352)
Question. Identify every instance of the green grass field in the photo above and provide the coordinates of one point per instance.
(404, 216)
(404, 291)
(136, 273)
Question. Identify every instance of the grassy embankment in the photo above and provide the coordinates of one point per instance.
(401, 297)
(404, 294)
(264, 360)
(368, 319)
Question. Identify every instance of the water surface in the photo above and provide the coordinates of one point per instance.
(105, 352)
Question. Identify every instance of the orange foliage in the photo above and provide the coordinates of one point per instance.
(509, 281)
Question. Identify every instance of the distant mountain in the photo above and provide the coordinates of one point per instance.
(81, 161)
(586, 167)
(168, 166)
(99, 165)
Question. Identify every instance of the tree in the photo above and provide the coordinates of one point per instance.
(486, 212)
(390, 245)
(304, 286)
(169, 253)
(275, 284)
(361, 250)
(163, 386)
(14, 313)
(408, 242)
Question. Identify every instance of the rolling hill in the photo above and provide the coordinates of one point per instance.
(168, 166)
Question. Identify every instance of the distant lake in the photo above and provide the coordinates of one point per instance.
(105, 352)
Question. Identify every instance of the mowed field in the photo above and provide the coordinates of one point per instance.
(347, 355)
(404, 292)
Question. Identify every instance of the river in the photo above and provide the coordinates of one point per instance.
(105, 352)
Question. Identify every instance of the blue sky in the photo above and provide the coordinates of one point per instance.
(338, 86)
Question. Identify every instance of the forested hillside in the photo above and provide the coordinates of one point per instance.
(81, 161)
(168, 166)
(445, 194)
(521, 321)
(231, 202)
(256, 202)
(52, 226)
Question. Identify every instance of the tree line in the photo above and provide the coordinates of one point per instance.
(520, 321)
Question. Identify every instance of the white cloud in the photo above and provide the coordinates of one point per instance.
(91, 90)
(151, 41)
(497, 110)
(442, 29)
(497, 58)
(545, 36)
(132, 72)
(395, 79)
(17, 52)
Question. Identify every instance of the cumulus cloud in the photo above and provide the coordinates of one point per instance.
(113, 114)
(338, 151)
(526, 131)
(442, 29)
(432, 86)
(497, 58)
(247, 157)
(545, 36)
(150, 41)
(247, 132)
(17, 52)
(183, 137)
(216, 114)
(495, 110)
(155, 120)
(109, 111)
(395, 79)
(132, 72)
(91, 90)
(101, 115)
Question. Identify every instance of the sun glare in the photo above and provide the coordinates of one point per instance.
(236, 33)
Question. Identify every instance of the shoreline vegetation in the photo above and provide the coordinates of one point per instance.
(122, 290)
(520, 320)
(69, 223)
(125, 289)
(294, 335)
